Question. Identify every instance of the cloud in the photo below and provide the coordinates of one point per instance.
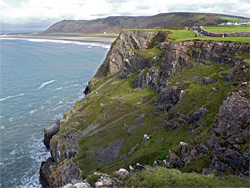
(56, 10)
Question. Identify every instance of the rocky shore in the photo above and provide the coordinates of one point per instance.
(190, 99)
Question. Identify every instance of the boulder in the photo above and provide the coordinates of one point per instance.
(216, 166)
(122, 173)
(197, 115)
(82, 185)
(69, 185)
(105, 181)
(207, 80)
(49, 132)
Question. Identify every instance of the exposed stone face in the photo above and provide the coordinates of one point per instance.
(231, 127)
(234, 113)
(50, 131)
(122, 57)
(196, 116)
(52, 175)
(208, 80)
(108, 155)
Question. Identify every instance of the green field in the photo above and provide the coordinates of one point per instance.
(227, 29)
(184, 35)
(233, 19)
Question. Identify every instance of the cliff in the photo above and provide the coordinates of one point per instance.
(156, 101)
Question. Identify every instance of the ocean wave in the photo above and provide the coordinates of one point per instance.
(13, 96)
(38, 153)
(59, 88)
(45, 83)
(33, 111)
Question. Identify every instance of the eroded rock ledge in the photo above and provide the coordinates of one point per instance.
(127, 58)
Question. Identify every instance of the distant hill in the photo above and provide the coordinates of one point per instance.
(115, 24)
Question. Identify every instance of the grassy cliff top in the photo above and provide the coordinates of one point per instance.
(180, 35)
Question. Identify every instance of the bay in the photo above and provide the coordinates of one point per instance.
(39, 81)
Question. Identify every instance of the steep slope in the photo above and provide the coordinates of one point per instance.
(153, 99)
(117, 23)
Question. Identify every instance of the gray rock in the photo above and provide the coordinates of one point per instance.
(182, 94)
(196, 116)
(229, 77)
(217, 166)
(108, 155)
(69, 185)
(105, 181)
(207, 80)
(122, 173)
(65, 173)
(82, 185)
(214, 89)
(139, 118)
(50, 131)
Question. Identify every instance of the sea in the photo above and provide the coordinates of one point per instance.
(39, 80)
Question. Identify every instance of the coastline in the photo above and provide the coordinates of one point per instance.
(79, 39)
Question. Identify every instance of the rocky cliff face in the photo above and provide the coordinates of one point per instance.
(171, 92)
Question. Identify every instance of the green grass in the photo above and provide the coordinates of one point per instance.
(92, 179)
(227, 29)
(149, 54)
(188, 35)
(162, 177)
(198, 163)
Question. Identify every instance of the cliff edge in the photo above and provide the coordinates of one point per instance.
(156, 101)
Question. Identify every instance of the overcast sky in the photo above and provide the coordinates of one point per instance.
(47, 12)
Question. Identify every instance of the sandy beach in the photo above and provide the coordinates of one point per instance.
(80, 39)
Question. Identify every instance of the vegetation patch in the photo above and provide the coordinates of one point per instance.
(92, 179)
(162, 177)
(149, 54)
(198, 163)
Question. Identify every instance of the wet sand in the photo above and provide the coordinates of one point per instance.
(80, 39)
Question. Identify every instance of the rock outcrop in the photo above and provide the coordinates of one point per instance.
(49, 132)
(225, 145)
(146, 86)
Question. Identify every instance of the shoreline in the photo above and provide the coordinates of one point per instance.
(79, 39)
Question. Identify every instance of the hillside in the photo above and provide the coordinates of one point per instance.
(117, 23)
(159, 99)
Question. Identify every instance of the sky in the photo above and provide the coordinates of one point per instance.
(43, 13)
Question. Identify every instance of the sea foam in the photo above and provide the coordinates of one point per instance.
(13, 96)
(45, 83)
